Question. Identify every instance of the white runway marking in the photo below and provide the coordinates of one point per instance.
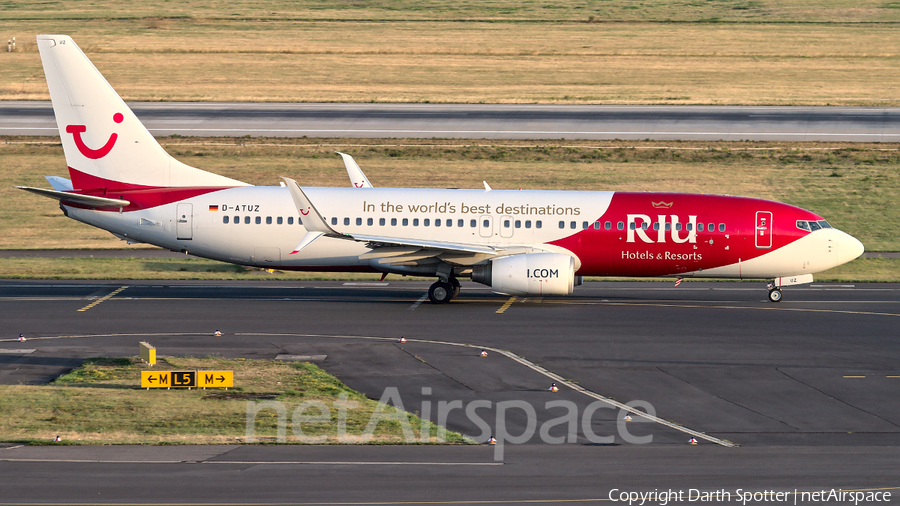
(418, 302)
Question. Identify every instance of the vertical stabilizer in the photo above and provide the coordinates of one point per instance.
(100, 135)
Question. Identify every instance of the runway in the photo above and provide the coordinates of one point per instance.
(478, 121)
(805, 388)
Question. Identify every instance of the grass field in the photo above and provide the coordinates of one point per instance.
(855, 186)
(729, 52)
(101, 403)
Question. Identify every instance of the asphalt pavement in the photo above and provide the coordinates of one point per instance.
(801, 391)
(488, 121)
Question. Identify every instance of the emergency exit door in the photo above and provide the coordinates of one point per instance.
(763, 229)
(183, 221)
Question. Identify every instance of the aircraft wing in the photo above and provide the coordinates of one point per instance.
(377, 241)
(76, 198)
(316, 227)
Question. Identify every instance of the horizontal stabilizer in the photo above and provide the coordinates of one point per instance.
(76, 198)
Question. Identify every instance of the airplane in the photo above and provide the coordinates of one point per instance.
(518, 242)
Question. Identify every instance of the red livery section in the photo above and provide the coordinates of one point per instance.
(659, 234)
(140, 196)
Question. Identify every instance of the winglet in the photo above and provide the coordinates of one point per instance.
(357, 178)
(315, 224)
(487, 187)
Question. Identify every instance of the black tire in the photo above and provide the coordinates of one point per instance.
(456, 287)
(440, 292)
(775, 295)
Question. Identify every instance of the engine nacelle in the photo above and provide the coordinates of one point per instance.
(528, 274)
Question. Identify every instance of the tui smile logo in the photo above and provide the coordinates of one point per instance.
(94, 154)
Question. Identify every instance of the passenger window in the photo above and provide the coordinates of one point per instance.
(596, 225)
(518, 223)
(721, 227)
(415, 222)
(688, 227)
(381, 222)
(237, 219)
(645, 226)
(358, 222)
(538, 224)
(246, 220)
(562, 224)
(527, 223)
(632, 225)
(437, 223)
(700, 227)
(334, 221)
(290, 220)
(656, 226)
(347, 221)
(405, 222)
(802, 225)
(505, 223)
(393, 222)
(460, 223)
(370, 221)
(426, 222)
(473, 223)
(607, 225)
(299, 221)
(280, 220)
(486, 224)
(620, 225)
(268, 220)
(711, 227)
(259, 220)
(449, 222)
(224, 219)
(585, 225)
(572, 224)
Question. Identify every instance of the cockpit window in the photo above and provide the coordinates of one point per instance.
(812, 226)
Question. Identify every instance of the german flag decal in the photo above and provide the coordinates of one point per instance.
(213, 208)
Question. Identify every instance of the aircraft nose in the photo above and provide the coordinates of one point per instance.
(849, 248)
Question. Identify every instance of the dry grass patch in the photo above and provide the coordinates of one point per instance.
(634, 63)
(855, 186)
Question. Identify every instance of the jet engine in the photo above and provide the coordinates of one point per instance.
(528, 274)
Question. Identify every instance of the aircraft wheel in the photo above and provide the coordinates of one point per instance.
(440, 292)
(775, 295)
(456, 287)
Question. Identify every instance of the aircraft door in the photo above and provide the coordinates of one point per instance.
(506, 226)
(184, 221)
(763, 229)
(486, 225)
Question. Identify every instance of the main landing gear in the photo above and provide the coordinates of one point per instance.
(443, 291)
(774, 293)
